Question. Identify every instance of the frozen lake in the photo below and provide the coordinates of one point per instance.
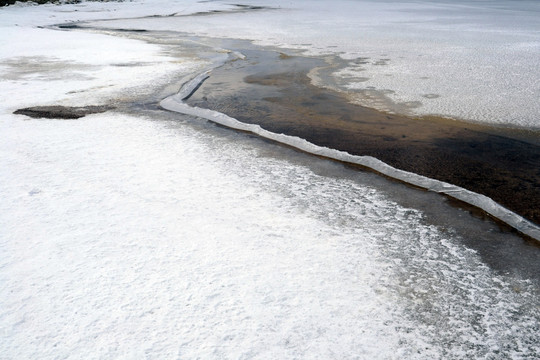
(140, 232)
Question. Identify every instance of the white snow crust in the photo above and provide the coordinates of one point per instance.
(472, 60)
(123, 237)
(127, 236)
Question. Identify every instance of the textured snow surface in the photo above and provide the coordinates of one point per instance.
(475, 60)
(129, 236)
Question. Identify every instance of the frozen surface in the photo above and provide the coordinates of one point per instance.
(129, 236)
(28, 14)
(474, 60)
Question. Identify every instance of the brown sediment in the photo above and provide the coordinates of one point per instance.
(61, 112)
(275, 92)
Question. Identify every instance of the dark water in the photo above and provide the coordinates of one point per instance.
(273, 90)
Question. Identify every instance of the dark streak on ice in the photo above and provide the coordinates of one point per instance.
(282, 100)
(61, 112)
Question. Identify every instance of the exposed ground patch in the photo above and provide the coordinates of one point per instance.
(61, 112)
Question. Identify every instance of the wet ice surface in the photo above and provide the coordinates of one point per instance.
(472, 60)
(150, 234)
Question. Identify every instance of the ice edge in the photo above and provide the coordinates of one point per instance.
(176, 103)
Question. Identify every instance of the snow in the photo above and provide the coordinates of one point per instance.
(149, 234)
(472, 60)
(124, 237)
(122, 254)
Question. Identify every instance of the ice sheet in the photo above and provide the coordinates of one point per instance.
(128, 236)
(28, 14)
(50, 67)
(472, 60)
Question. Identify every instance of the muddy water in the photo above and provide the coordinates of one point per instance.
(272, 89)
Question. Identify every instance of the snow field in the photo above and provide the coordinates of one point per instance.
(124, 237)
(130, 236)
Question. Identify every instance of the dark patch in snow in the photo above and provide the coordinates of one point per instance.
(61, 112)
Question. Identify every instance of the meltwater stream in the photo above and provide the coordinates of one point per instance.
(412, 273)
(426, 269)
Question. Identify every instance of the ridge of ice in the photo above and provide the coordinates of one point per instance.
(176, 103)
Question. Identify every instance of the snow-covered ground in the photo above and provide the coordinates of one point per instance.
(157, 235)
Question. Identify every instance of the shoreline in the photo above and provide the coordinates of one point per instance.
(486, 160)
